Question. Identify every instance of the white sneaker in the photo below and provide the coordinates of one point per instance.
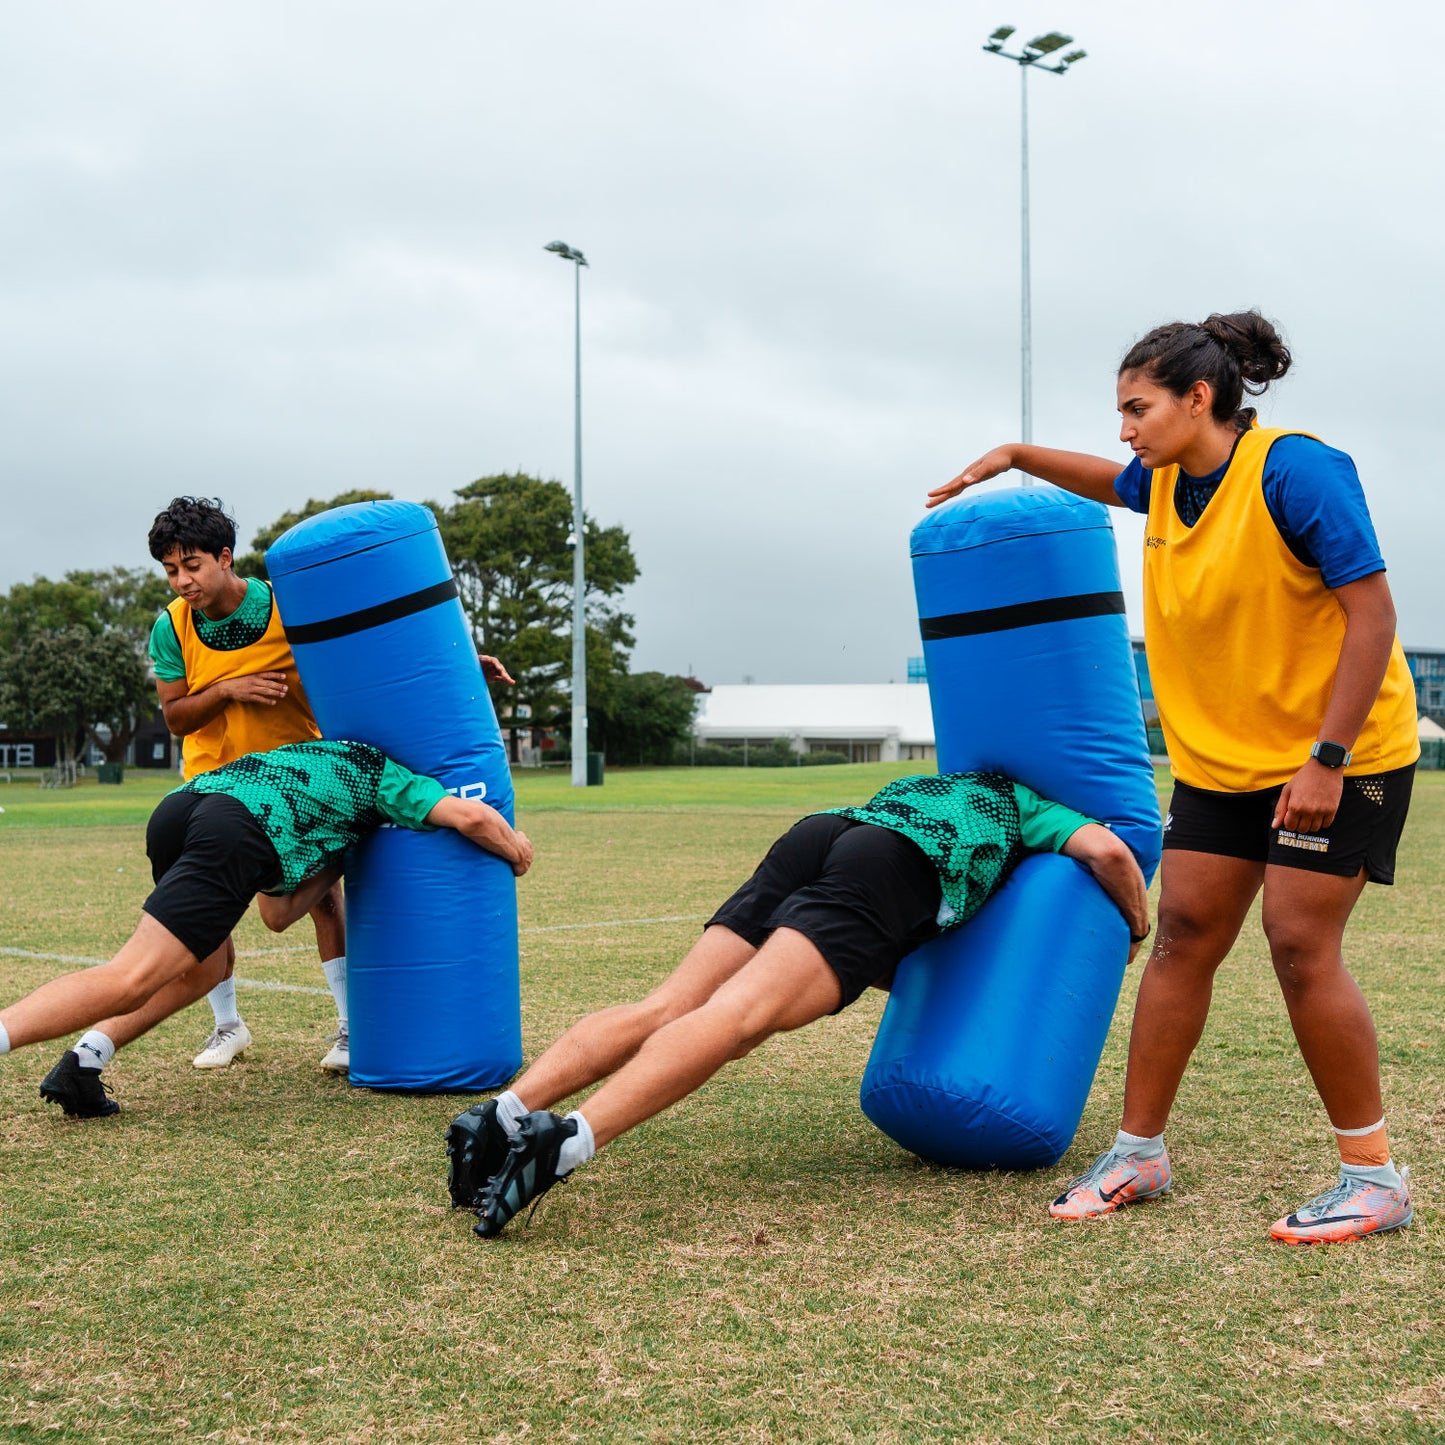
(223, 1046)
(338, 1061)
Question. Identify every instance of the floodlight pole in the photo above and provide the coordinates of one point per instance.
(1038, 49)
(579, 579)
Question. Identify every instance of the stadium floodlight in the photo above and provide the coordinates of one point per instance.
(576, 540)
(1030, 58)
(1047, 44)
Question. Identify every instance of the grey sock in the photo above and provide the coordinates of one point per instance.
(1138, 1145)
(1385, 1175)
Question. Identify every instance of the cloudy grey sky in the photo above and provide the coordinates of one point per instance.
(275, 250)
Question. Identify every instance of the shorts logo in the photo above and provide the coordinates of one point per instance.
(1169, 822)
(1310, 842)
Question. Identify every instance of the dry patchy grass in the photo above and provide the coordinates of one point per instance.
(265, 1255)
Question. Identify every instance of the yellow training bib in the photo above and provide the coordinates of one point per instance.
(243, 727)
(1243, 640)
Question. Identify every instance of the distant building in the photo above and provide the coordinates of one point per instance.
(873, 722)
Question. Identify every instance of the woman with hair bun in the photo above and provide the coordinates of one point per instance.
(1289, 713)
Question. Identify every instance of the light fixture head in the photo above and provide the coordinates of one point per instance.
(1073, 57)
(1003, 33)
(566, 252)
(1047, 44)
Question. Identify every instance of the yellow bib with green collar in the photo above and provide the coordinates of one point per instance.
(1243, 640)
(243, 727)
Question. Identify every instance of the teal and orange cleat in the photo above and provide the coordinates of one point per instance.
(1352, 1209)
(1111, 1181)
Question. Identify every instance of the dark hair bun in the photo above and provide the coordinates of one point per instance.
(1257, 348)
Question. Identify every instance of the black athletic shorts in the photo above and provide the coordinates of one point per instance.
(864, 896)
(1364, 834)
(209, 858)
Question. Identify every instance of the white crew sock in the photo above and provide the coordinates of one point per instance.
(335, 971)
(222, 1000)
(1139, 1146)
(94, 1050)
(1385, 1175)
(578, 1149)
(4, 1040)
(510, 1112)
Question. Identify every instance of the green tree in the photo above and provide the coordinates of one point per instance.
(507, 536)
(253, 563)
(72, 657)
(67, 681)
(127, 600)
(644, 718)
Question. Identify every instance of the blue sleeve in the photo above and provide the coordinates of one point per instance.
(165, 651)
(1133, 485)
(1314, 495)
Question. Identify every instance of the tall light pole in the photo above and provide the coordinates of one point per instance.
(579, 580)
(1037, 50)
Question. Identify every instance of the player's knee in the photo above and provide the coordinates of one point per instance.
(1188, 936)
(274, 913)
(1300, 956)
(127, 985)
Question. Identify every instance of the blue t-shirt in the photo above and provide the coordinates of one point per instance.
(1313, 494)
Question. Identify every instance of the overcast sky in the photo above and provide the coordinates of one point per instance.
(273, 251)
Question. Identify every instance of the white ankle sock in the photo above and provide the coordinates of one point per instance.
(1385, 1175)
(1136, 1144)
(4, 1040)
(94, 1050)
(578, 1149)
(222, 1000)
(335, 971)
(510, 1112)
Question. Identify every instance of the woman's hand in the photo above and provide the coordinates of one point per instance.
(1310, 800)
(493, 670)
(990, 464)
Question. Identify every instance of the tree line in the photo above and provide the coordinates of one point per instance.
(73, 652)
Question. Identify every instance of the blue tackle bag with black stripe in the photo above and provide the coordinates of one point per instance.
(372, 612)
(993, 1031)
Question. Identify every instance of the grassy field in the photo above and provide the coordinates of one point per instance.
(266, 1255)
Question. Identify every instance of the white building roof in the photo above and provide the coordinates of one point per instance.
(1430, 729)
(818, 710)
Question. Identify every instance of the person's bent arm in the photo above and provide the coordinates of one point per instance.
(486, 827)
(1117, 872)
(1078, 472)
(280, 910)
(186, 711)
(1311, 798)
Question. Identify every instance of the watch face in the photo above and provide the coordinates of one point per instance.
(1332, 755)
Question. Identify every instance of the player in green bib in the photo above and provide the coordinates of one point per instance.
(835, 905)
(277, 824)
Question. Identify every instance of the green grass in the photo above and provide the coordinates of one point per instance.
(265, 1255)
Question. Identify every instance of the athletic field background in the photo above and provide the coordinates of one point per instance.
(263, 1254)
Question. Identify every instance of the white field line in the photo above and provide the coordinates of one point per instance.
(310, 948)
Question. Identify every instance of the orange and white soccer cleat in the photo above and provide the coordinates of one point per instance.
(1352, 1209)
(1111, 1181)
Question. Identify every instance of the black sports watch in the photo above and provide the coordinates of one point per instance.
(1331, 755)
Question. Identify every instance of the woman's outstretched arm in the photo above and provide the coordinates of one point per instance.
(1077, 472)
